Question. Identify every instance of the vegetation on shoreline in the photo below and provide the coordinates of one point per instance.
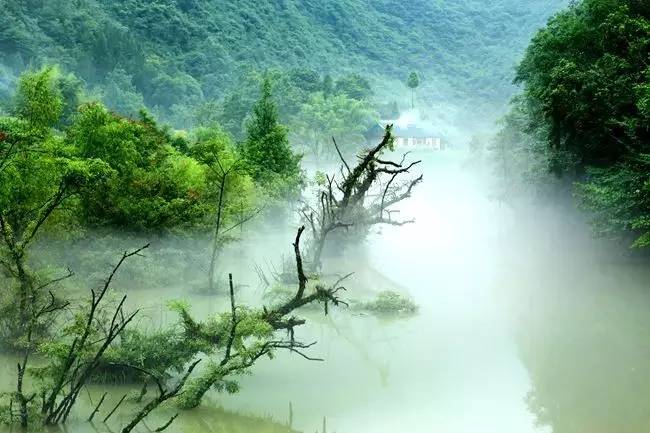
(179, 57)
(66, 171)
(388, 302)
(584, 116)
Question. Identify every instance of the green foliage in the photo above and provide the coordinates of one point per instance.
(586, 70)
(389, 302)
(40, 178)
(160, 353)
(354, 86)
(155, 186)
(339, 116)
(413, 80)
(47, 97)
(252, 333)
(40, 170)
(215, 150)
(170, 46)
(120, 94)
(266, 150)
(584, 111)
(39, 100)
(619, 199)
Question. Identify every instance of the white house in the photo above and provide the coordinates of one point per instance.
(413, 137)
(409, 137)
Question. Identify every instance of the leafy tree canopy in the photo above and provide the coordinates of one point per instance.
(584, 111)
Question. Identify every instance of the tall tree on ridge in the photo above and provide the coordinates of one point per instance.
(413, 82)
(266, 149)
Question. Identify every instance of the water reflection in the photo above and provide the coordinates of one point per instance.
(525, 325)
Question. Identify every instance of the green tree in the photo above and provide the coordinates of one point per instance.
(586, 72)
(39, 100)
(585, 78)
(413, 82)
(231, 193)
(120, 94)
(39, 174)
(338, 116)
(154, 187)
(328, 86)
(266, 149)
(354, 86)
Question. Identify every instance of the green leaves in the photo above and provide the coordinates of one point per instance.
(619, 200)
(39, 100)
(585, 101)
(339, 116)
(152, 187)
(266, 150)
(586, 71)
(413, 80)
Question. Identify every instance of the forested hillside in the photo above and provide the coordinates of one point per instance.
(584, 114)
(186, 52)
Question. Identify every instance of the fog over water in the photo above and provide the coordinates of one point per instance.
(526, 324)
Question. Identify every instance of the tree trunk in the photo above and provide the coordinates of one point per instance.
(215, 244)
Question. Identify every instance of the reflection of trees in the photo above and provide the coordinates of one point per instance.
(588, 357)
(204, 419)
(362, 344)
(211, 420)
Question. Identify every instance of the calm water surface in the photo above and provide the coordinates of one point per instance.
(525, 325)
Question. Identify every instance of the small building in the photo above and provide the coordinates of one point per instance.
(409, 137)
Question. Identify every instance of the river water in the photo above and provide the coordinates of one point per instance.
(526, 324)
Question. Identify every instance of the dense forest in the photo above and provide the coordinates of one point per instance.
(584, 115)
(177, 56)
(74, 173)
(146, 146)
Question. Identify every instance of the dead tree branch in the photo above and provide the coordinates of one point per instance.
(357, 199)
(77, 367)
(241, 348)
(164, 395)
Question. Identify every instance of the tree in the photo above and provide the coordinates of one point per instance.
(73, 357)
(39, 173)
(413, 82)
(47, 97)
(120, 94)
(338, 116)
(328, 86)
(154, 187)
(230, 188)
(586, 72)
(39, 100)
(618, 198)
(266, 149)
(585, 78)
(362, 196)
(242, 336)
(354, 86)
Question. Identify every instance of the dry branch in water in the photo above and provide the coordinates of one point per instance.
(244, 335)
(78, 366)
(361, 196)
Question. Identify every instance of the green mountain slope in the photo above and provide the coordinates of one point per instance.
(182, 51)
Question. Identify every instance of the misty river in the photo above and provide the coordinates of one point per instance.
(526, 324)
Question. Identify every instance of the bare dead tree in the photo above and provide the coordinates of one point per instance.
(240, 347)
(164, 393)
(85, 352)
(359, 196)
(223, 175)
(47, 310)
